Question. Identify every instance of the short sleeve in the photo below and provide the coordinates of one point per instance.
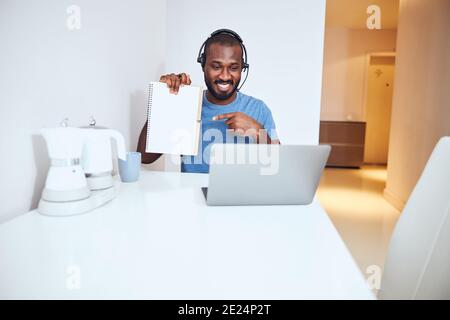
(268, 123)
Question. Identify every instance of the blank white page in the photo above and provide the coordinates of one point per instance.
(173, 120)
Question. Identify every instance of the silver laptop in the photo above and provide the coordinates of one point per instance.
(259, 174)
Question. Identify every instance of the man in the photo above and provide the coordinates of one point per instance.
(227, 114)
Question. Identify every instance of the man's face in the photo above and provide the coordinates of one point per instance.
(222, 70)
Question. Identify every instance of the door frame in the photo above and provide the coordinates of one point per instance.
(366, 78)
(366, 84)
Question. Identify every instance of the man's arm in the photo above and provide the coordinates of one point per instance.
(146, 157)
(245, 125)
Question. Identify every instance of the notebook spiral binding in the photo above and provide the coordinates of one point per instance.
(149, 108)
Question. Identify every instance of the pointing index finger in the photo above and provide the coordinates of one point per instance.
(224, 116)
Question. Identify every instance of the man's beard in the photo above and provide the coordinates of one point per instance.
(221, 96)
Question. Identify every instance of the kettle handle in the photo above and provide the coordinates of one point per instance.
(120, 143)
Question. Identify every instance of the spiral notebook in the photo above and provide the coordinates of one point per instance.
(173, 120)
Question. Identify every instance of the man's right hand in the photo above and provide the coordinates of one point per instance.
(174, 81)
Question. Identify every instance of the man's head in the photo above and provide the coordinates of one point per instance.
(223, 63)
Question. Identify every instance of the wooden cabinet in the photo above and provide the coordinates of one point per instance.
(347, 142)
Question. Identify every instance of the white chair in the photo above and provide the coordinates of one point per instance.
(418, 260)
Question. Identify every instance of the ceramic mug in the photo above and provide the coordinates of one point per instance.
(130, 168)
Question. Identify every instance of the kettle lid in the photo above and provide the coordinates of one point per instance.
(92, 125)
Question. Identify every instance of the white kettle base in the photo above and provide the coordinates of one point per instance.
(70, 208)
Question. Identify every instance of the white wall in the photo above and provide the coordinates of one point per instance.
(284, 40)
(345, 69)
(48, 72)
(421, 103)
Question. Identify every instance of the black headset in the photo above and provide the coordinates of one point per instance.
(202, 58)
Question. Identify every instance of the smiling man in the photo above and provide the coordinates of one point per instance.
(228, 115)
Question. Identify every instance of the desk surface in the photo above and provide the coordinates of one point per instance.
(158, 240)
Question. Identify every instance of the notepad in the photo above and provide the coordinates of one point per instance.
(173, 120)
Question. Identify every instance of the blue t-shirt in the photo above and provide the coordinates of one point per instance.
(215, 131)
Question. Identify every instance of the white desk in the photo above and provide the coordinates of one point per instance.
(158, 240)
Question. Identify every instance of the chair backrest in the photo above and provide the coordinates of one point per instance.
(418, 260)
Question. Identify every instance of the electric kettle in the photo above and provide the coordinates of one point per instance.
(97, 159)
(66, 180)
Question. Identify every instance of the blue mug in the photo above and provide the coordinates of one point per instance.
(129, 170)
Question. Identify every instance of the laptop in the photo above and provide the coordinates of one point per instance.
(261, 174)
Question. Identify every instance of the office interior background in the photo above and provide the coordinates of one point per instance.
(314, 63)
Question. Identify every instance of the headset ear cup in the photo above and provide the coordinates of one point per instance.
(201, 60)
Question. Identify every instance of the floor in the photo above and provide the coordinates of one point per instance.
(353, 198)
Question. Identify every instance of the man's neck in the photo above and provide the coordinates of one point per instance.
(214, 100)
